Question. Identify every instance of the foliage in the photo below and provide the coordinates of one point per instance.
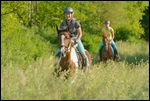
(91, 14)
(28, 41)
(23, 47)
(123, 33)
(145, 24)
(17, 17)
(111, 81)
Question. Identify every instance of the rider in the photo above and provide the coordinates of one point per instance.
(109, 30)
(75, 30)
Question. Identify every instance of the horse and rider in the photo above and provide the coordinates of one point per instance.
(107, 48)
(72, 27)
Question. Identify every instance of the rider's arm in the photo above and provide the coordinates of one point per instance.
(79, 30)
(112, 33)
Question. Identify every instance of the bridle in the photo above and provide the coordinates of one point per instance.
(67, 48)
(105, 41)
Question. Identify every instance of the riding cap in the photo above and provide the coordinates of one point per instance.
(68, 10)
(107, 22)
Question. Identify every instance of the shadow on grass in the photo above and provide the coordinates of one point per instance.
(134, 59)
(130, 59)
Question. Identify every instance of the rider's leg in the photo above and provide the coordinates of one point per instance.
(115, 49)
(57, 53)
(80, 47)
(100, 46)
(100, 49)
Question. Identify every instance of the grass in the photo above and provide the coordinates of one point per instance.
(27, 70)
(122, 80)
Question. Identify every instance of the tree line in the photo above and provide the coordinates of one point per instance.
(128, 18)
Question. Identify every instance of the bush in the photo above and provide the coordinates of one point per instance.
(123, 33)
(23, 47)
(91, 42)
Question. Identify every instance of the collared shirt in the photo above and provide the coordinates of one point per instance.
(73, 26)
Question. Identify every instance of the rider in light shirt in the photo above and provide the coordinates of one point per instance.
(109, 30)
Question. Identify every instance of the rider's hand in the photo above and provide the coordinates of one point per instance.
(72, 40)
(110, 39)
(77, 40)
(62, 49)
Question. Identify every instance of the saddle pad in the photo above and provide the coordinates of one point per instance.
(74, 57)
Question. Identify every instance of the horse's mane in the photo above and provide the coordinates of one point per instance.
(105, 35)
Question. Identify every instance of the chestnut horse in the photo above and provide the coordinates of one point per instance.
(70, 58)
(107, 51)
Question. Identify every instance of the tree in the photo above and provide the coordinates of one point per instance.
(145, 24)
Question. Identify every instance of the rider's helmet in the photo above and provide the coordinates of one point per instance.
(107, 22)
(68, 10)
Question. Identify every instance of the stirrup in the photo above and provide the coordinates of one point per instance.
(117, 57)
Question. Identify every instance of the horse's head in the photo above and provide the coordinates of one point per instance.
(65, 42)
(105, 40)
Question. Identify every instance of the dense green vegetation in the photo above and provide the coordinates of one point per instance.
(124, 15)
(145, 24)
(28, 25)
(28, 43)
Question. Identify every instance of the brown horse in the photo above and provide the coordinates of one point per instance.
(70, 58)
(107, 51)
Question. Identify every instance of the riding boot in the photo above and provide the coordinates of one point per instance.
(58, 53)
(115, 50)
(86, 62)
(116, 55)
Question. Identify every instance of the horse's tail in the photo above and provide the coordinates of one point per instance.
(88, 56)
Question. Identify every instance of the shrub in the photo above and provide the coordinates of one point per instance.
(123, 33)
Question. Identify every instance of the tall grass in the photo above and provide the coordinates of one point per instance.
(115, 80)
(28, 65)
(103, 81)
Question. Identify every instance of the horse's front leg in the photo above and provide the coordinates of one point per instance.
(72, 67)
(73, 71)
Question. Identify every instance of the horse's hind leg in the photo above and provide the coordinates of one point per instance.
(88, 56)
